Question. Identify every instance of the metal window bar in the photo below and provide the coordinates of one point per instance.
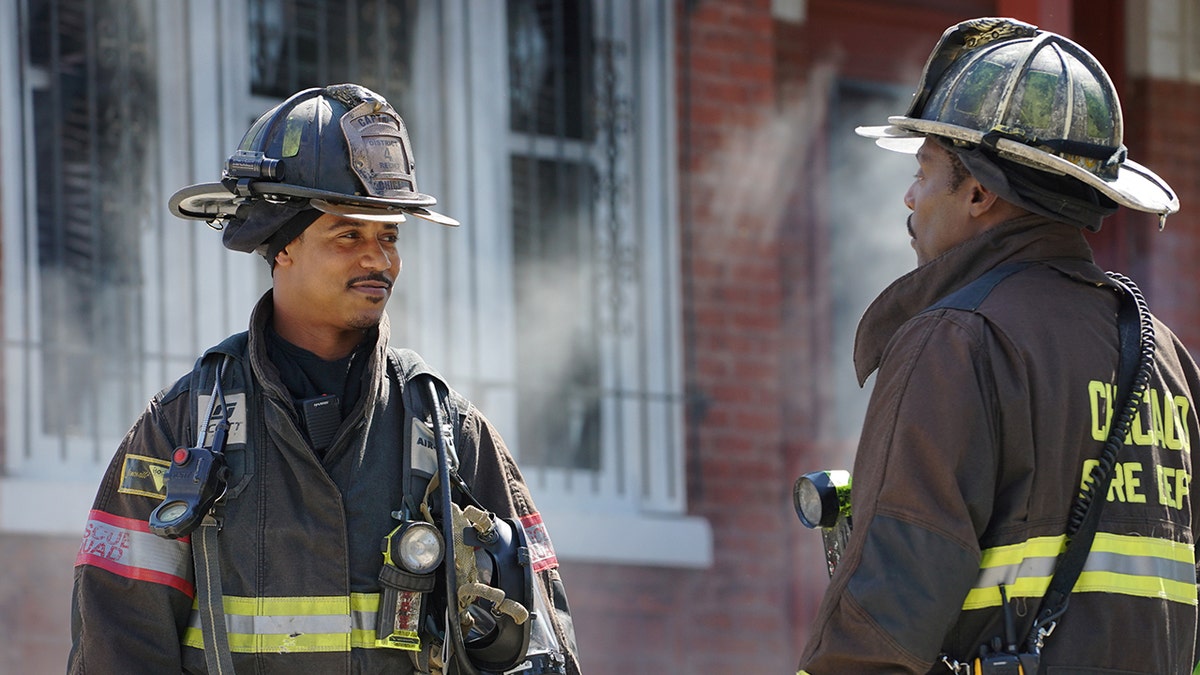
(639, 454)
(88, 88)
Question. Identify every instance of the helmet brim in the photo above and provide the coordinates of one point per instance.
(210, 201)
(1135, 186)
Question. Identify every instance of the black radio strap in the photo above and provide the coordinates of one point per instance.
(210, 596)
(1136, 331)
(1136, 339)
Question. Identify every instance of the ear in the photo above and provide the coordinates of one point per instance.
(982, 199)
(283, 258)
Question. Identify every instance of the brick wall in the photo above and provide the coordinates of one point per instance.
(1163, 132)
(35, 602)
(736, 616)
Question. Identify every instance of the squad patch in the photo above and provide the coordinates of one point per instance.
(145, 476)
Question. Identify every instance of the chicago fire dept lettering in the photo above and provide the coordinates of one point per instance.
(1160, 422)
(1165, 428)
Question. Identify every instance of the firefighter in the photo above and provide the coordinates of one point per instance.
(995, 362)
(309, 499)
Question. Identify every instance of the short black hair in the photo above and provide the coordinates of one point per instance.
(958, 171)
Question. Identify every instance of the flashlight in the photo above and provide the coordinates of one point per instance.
(411, 553)
(414, 546)
(821, 496)
(822, 500)
(247, 164)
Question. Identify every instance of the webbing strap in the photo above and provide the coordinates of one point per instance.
(209, 596)
(969, 297)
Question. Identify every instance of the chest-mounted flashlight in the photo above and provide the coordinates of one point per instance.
(414, 546)
(412, 553)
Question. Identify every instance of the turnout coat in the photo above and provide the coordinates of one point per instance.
(980, 428)
(300, 548)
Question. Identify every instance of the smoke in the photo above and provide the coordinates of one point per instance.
(869, 245)
(768, 181)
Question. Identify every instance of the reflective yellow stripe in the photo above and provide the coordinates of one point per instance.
(364, 607)
(299, 624)
(1126, 565)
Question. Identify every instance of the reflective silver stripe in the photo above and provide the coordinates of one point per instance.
(363, 620)
(287, 625)
(1123, 564)
(267, 625)
(1008, 574)
(1144, 566)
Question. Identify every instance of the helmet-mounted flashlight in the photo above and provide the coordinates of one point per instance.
(249, 164)
(821, 496)
(414, 546)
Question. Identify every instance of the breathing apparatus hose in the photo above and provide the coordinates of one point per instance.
(453, 627)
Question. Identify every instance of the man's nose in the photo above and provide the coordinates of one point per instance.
(378, 257)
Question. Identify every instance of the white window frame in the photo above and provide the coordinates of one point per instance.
(1163, 39)
(634, 511)
(454, 302)
(47, 484)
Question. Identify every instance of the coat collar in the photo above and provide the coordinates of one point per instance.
(268, 375)
(1025, 238)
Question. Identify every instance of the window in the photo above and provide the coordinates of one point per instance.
(593, 254)
(90, 119)
(546, 127)
(551, 59)
(295, 44)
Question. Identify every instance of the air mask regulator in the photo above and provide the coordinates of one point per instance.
(197, 476)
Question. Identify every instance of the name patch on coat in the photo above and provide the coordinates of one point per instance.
(424, 449)
(144, 476)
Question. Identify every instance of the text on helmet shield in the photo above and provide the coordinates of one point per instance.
(379, 151)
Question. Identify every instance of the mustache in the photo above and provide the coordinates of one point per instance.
(378, 277)
(908, 224)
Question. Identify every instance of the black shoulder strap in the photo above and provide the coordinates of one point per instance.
(204, 372)
(972, 295)
(408, 368)
(208, 370)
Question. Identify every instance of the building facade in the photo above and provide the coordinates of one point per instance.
(669, 233)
